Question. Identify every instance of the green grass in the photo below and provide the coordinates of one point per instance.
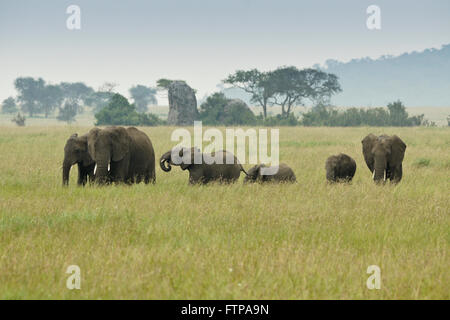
(173, 241)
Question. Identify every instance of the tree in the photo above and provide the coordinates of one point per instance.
(120, 112)
(98, 100)
(321, 85)
(74, 95)
(50, 99)
(254, 82)
(9, 105)
(68, 112)
(30, 93)
(143, 96)
(288, 86)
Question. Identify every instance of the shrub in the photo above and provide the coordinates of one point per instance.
(422, 162)
(395, 115)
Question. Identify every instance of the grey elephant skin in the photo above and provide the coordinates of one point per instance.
(76, 152)
(128, 152)
(384, 156)
(340, 168)
(284, 174)
(205, 172)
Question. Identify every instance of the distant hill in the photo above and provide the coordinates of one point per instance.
(419, 79)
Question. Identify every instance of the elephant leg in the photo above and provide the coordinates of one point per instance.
(82, 175)
(119, 171)
(150, 176)
(196, 176)
(397, 174)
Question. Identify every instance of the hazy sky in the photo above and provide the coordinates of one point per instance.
(202, 41)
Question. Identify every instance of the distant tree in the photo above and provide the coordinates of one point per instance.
(68, 112)
(120, 112)
(9, 105)
(75, 94)
(50, 99)
(254, 82)
(98, 100)
(321, 85)
(143, 96)
(448, 120)
(399, 117)
(19, 120)
(30, 92)
(107, 87)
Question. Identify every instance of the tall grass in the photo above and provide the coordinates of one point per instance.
(174, 241)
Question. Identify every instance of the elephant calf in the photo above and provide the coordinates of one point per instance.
(281, 174)
(340, 168)
(208, 170)
(76, 152)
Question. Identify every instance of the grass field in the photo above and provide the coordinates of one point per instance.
(173, 241)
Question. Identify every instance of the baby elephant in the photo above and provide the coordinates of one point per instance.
(340, 168)
(284, 174)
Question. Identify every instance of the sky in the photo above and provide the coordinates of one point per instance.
(202, 41)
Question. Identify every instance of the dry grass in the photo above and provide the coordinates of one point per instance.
(173, 241)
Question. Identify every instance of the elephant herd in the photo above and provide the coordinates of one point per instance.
(126, 155)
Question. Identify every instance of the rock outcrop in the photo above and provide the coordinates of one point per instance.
(182, 104)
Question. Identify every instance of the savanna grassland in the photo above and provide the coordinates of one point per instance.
(173, 241)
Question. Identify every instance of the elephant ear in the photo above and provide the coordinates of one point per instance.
(367, 145)
(120, 142)
(91, 139)
(398, 148)
(192, 151)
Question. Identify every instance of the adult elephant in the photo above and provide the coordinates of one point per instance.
(208, 170)
(384, 156)
(128, 152)
(76, 152)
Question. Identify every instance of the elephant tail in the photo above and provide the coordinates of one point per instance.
(243, 170)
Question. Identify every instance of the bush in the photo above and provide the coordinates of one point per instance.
(395, 115)
(120, 112)
(278, 120)
(422, 162)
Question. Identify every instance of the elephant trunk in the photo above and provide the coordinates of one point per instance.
(380, 170)
(66, 171)
(101, 175)
(166, 159)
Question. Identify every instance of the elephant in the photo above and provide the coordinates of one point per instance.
(128, 152)
(284, 174)
(384, 156)
(340, 168)
(207, 171)
(76, 151)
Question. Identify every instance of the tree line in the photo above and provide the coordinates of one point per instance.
(36, 97)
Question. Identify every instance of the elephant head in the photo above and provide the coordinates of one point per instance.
(384, 156)
(253, 174)
(75, 151)
(107, 145)
(166, 161)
